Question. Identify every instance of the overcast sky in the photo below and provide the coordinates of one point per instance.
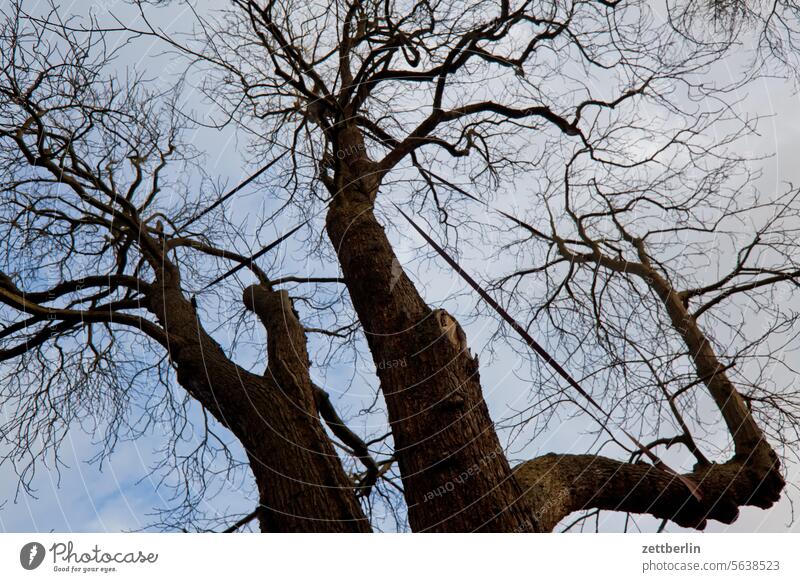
(122, 494)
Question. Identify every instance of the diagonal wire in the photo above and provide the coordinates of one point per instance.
(251, 259)
(233, 191)
(536, 347)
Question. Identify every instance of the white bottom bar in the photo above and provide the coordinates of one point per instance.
(389, 558)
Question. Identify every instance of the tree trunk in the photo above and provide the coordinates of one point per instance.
(455, 474)
(560, 484)
(301, 483)
(557, 485)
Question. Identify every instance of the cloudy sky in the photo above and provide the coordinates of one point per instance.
(122, 493)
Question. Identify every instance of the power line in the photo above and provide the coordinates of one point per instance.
(251, 259)
(230, 193)
(533, 344)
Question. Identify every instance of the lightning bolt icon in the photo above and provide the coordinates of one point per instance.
(32, 555)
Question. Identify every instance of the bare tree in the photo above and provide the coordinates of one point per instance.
(637, 260)
(432, 105)
(85, 163)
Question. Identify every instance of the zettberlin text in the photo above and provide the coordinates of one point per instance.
(667, 548)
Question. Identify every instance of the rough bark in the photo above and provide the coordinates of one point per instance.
(748, 439)
(302, 485)
(557, 485)
(455, 475)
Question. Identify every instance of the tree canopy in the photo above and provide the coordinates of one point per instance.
(584, 160)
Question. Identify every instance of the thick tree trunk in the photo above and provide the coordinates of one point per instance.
(312, 477)
(560, 484)
(302, 485)
(455, 475)
(557, 485)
